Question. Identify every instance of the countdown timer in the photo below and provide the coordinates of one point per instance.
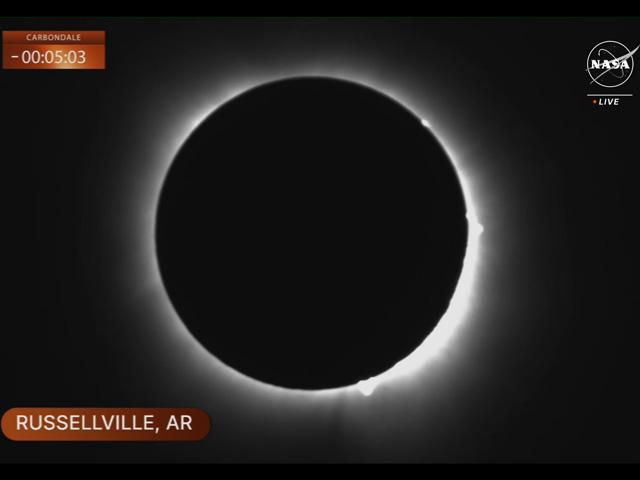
(64, 50)
(53, 56)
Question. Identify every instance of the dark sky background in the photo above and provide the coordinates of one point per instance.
(546, 369)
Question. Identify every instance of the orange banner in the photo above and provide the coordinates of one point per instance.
(53, 50)
(105, 424)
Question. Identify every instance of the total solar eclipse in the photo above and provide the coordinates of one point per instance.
(310, 232)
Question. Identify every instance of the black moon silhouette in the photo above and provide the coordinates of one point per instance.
(310, 233)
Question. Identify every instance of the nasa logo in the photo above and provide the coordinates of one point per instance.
(610, 64)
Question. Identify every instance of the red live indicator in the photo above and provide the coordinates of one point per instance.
(53, 50)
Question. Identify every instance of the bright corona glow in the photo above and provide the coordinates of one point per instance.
(434, 344)
(459, 305)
